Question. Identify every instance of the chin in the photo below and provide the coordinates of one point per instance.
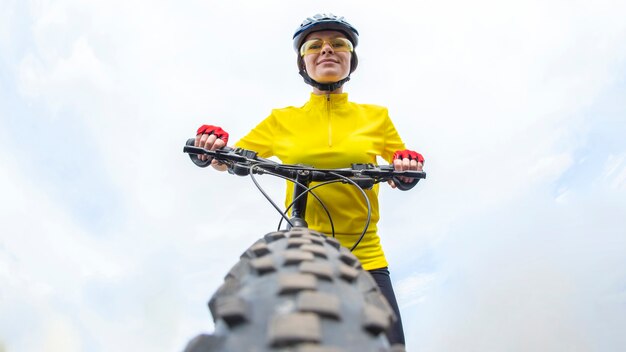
(329, 78)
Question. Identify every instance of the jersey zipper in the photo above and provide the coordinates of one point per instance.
(328, 114)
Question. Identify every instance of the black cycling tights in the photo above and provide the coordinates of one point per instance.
(396, 333)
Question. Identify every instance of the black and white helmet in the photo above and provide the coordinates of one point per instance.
(322, 22)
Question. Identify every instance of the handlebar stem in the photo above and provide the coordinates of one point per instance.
(303, 178)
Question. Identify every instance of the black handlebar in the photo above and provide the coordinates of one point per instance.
(241, 162)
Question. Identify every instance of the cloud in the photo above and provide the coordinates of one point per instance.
(412, 290)
(615, 172)
(60, 335)
(527, 278)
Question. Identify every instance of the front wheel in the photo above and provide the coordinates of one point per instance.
(297, 290)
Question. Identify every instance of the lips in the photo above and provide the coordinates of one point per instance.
(327, 61)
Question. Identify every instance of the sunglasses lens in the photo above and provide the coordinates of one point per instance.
(315, 46)
(341, 44)
(311, 47)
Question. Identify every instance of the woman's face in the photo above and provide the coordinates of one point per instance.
(328, 65)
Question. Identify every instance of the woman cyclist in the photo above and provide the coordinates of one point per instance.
(331, 132)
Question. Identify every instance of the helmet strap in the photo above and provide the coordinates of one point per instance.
(326, 87)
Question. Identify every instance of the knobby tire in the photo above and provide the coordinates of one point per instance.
(299, 291)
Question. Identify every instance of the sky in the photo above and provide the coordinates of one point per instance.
(110, 239)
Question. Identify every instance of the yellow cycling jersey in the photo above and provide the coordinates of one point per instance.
(331, 132)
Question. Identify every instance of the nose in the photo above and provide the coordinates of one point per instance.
(326, 48)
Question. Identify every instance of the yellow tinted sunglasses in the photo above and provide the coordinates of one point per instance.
(314, 46)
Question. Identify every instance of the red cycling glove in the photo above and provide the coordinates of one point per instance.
(217, 131)
(411, 155)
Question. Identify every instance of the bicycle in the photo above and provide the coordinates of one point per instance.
(297, 289)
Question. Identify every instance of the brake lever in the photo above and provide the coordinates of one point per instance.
(404, 186)
(222, 154)
(389, 169)
(194, 152)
